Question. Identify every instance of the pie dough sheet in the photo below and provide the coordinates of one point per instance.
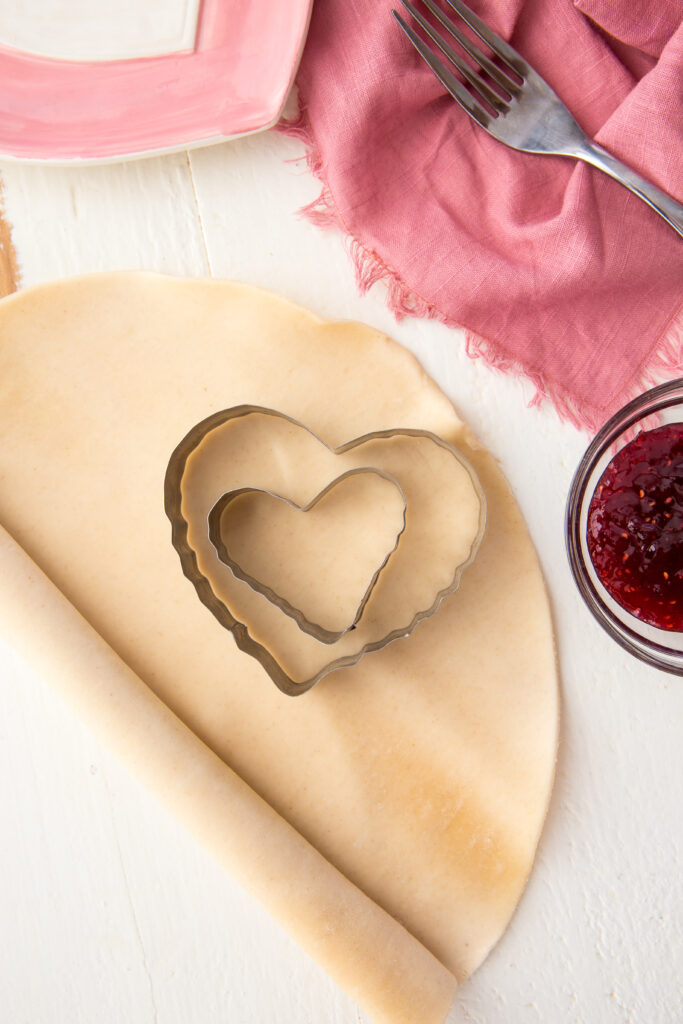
(388, 818)
(330, 917)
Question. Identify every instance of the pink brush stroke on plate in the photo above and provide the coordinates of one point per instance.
(234, 82)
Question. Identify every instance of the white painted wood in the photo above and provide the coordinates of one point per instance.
(98, 29)
(108, 911)
(76, 220)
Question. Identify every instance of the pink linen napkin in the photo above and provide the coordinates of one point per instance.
(553, 269)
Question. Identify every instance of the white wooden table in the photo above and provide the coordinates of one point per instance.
(109, 912)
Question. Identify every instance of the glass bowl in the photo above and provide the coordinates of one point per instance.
(658, 647)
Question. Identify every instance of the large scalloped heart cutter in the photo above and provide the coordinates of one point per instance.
(211, 468)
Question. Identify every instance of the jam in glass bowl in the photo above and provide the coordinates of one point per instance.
(624, 527)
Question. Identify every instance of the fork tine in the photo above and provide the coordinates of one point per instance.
(488, 36)
(477, 83)
(450, 83)
(499, 75)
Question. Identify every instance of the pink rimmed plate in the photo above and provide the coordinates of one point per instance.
(232, 82)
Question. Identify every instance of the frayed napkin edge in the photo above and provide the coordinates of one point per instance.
(664, 360)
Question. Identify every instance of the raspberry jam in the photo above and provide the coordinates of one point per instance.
(635, 527)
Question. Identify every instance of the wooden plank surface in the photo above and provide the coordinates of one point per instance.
(109, 912)
(9, 273)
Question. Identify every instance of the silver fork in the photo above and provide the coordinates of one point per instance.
(514, 104)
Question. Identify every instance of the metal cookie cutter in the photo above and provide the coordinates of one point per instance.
(314, 629)
(240, 630)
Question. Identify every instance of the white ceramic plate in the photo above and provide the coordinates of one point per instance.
(228, 74)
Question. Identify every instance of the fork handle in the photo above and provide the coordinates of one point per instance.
(663, 204)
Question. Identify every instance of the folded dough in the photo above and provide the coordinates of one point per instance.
(390, 816)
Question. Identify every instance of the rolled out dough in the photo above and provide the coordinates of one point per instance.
(390, 816)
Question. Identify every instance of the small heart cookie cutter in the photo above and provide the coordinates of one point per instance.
(314, 629)
(188, 558)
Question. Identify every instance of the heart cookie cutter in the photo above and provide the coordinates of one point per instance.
(243, 638)
(314, 629)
